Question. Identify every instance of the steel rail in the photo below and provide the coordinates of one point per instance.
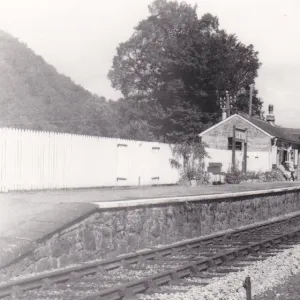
(142, 285)
(63, 275)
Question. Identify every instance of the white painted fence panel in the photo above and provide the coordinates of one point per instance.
(32, 160)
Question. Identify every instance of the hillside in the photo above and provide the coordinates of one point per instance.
(33, 95)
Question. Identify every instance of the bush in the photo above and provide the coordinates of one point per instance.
(234, 176)
(194, 173)
(274, 175)
(189, 158)
(202, 178)
(252, 175)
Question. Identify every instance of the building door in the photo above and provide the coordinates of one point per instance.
(285, 156)
(282, 156)
(122, 164)
(155, 165)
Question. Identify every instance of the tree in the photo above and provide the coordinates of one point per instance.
(130, 120)
(242, 103)
(180, 64)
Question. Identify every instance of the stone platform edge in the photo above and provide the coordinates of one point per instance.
(15, 251)
(180, 199)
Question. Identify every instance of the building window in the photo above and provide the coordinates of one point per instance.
(238, 145)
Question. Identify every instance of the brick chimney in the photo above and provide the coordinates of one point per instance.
(223, 114)
(270, 116)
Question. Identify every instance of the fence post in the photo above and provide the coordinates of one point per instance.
(247, 287)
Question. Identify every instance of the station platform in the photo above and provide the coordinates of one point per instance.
(92, 195)
(30, 217)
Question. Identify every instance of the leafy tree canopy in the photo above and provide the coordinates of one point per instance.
(178, 66)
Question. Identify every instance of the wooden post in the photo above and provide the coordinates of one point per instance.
(250, 100)
(298, 166)
(245, 158)
(227, 104)
(247, 287)
(233, 147)
(245, 153)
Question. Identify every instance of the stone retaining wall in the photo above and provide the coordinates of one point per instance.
(112, 232)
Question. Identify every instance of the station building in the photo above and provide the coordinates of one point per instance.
(266, 146)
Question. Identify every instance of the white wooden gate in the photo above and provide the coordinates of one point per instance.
(122, 164)
(154, 165)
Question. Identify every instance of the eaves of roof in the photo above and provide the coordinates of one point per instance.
(291, 135)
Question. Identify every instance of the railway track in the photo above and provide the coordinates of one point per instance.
(165, 269)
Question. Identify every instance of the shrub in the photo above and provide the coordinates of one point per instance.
(252, 175)
(234, 176)
(274, 175)
(203, 178)
(189, 159)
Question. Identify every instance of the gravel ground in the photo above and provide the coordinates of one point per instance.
(290, 290)
(265, 275)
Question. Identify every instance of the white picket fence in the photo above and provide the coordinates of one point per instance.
(31, 160)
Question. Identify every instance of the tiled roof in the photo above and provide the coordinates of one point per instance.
(288, 134)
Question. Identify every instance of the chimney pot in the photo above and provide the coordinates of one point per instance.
(270, 117)
(223, 114)
(271, 109)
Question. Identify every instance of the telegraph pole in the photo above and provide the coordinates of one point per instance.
(227, 104)
(250, 100)
(223, 107)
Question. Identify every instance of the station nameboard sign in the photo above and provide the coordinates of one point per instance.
(240, 135)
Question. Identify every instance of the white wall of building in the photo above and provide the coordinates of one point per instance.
(32, 160)
(259, 161)
(256, 161)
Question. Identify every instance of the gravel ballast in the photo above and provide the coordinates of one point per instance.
(264, 275)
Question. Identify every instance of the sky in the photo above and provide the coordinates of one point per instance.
(79, 38)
